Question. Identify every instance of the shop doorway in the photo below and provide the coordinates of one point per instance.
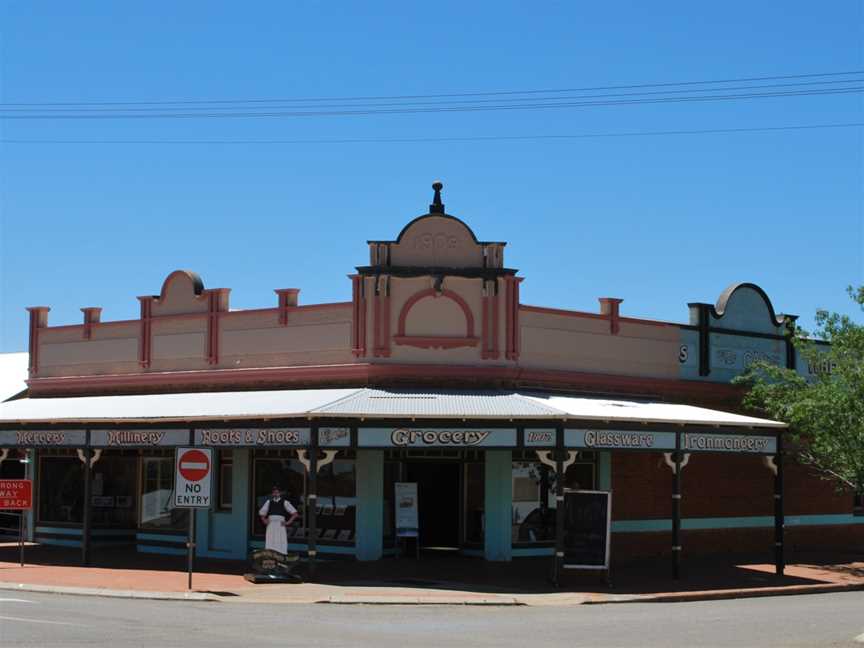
(438, 488)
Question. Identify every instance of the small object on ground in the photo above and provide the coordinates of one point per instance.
(269, 566)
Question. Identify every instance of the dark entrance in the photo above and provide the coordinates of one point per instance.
(438, 488)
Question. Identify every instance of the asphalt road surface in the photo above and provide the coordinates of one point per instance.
(48, 620)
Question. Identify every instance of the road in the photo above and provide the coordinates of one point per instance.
(47, 620)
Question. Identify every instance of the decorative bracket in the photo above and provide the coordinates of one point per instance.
(768, 460)
(329, 456)
(3, 454)
(667, 457)
(545, 457)
(97, 453)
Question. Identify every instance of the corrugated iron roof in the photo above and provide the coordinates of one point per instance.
(363, 403)
(398, 403)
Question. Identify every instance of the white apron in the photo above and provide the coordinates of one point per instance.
(276, 537)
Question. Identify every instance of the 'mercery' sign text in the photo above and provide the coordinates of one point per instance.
(16, 494)
(41, 438)
(432, 438)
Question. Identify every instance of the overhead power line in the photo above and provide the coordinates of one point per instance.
(667, 84)
(557, 100)
(416, 140)
(439, 109)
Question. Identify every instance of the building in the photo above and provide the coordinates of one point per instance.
(435, 373)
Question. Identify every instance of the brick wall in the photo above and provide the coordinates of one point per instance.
(716, 485)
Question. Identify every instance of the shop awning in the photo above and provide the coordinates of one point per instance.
(363, 403)
(13, 374)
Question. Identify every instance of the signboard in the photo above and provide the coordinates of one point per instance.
(262, 437)
(436, 438)
(16, 494)
(539, 437)
(619, 439)
(728, 443)
(42, 438)
(193, 471)
(407, 510)
(587, 522)
(334, 437)
(138, 438)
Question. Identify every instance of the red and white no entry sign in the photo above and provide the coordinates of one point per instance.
(194, 465)
(192, 477)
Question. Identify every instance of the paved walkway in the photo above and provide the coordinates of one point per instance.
(433, 580)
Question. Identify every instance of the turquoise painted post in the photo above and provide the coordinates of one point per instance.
(370, 504)
(604, 471)
(498, 543)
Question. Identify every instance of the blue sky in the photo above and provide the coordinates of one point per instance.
(656, 220)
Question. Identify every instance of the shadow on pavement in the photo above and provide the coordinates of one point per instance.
(456, 573)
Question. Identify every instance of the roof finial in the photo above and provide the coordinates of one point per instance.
(437, 207)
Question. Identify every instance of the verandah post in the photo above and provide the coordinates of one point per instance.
(312, 502)
(559, 504)
(676, 510)
(86, 514)
(779, 518)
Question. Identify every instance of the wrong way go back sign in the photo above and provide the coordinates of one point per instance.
(193, 471)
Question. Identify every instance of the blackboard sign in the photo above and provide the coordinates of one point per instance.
(586, 529)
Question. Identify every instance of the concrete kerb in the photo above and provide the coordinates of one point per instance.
(110, 593)
(534, 600)
(722, 595)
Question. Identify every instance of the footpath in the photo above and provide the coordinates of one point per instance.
(433, 580)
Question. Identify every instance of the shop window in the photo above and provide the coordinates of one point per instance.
(337, 495)
(858, 504)
(278, 468)
(157, 490)
(534, 504)
(113, 490)
(337, 501)
(61, 490)
(226, 479)
(475, 499)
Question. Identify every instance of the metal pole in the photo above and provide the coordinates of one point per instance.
(312, 503)
(559, 505)
(779, 518)
(88, 496)
(190, 547)
(21, 536)
(676, 511)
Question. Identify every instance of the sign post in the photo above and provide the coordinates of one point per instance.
(407, 512)
(17, 495)
(192, 479)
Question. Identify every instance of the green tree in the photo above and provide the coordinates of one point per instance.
(825, 412)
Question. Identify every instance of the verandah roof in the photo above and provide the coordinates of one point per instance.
(362, 403)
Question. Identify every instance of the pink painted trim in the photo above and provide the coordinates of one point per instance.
(385, 322)
(484, 306)
(512, 322)
(496, 317)
(430, 292)
(435, 342)
(92, 315)
(364, 373)
(376, 323)
(38, 320)
(610, 308)
(145, 335)
(287, 301)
